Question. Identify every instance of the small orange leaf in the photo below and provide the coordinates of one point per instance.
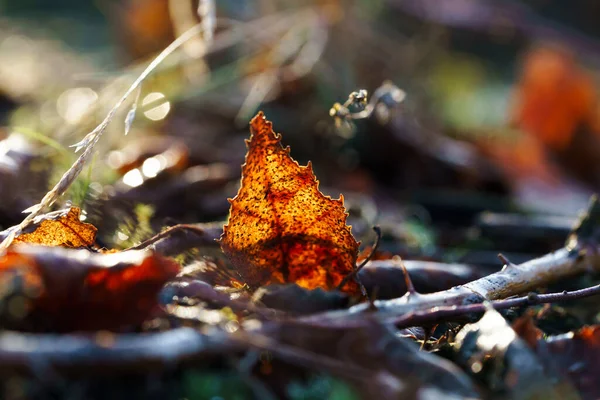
(66, 230)
(281, 228)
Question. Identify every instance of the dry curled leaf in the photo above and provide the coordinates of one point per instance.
(281, 228)
(65, 230)
(58, 289)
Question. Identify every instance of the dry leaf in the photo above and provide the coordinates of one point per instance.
(553, 97)
(526, 329)
(281, 228)
(575, 355)
(66, 230)
(143, 27)
(58, 289)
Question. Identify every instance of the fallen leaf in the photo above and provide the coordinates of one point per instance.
(526, 329)
(575, 355)
(281, 228)
(65, 230)
(553, 97)
(61, 290)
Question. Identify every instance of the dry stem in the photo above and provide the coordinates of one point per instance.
(508, 282)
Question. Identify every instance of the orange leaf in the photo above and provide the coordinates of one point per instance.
(553, 97)
(66, 230)
(58, 289)
(281, 228)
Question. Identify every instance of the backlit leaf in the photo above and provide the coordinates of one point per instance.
(281, 228)
(66, 230)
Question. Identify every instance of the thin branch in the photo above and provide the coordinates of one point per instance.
(386, 97)
(356, 270)
(179, 238)
(410, 287)
(508, 282)
(438, 314)
(580, 254)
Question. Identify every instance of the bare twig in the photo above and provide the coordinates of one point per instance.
(179, 238)
(363, 263)
(410, 287)
(438, 314)
(580, 254)
(508, 282)
(384, 100)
